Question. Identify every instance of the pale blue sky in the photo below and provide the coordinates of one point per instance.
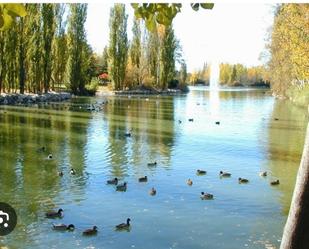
(232, 33)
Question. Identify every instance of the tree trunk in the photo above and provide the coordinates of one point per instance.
(296, 230)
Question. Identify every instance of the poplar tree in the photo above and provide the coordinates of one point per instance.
(33, 49)
(76, 39)
(168, 57)
(48, 30)
(59, 47)
(118, 45)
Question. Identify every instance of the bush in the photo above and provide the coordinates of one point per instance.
(92, 87)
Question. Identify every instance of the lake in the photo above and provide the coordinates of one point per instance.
(256, 133)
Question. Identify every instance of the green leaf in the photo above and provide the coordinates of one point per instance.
(7, 20)
(162, 19)
(207, 5)
(195, 6)
(134, 5)
(151, 23)
(16, 10)
(1, 22)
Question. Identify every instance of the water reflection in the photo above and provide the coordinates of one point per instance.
(247, 140)
(151, 124)
(286, 131)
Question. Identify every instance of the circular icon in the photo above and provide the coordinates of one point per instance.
(8, 219)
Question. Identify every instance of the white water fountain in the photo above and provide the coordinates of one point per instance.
(214, 75)
(214, 100)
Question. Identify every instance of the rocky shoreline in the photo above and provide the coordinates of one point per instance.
(25, 99)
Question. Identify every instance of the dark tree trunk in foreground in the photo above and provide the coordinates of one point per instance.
(296, 230)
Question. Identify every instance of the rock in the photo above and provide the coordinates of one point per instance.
(14, 99)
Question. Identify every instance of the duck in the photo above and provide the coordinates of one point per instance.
(264, 173)
(275, 182)
(63, 227)
(60, 173)
(113, 181)
(225, 174)
(50, 156)
(72, 172)
(122, 187)
(189, 182)
(91, 231)
(242, 180)
(152, 164)
(206, 196)
(190, 119)
(153, 191)
(217, 122)
(127, 134)
(143, 179)
(124, 226)
(54, 214)
(201, 172)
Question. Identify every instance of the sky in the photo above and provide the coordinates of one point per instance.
(233, 33)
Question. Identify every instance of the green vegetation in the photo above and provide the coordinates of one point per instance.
(289, 50)
(118, 46)
(162, 13)
(8, 13)
(239, 75)
(38, 53)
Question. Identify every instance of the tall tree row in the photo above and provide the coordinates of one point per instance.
(146, 60)
(75, 79)
(38, 52)
(118, 46)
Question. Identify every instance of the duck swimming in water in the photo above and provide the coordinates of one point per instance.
(264, 173)
(152, 164)
(143, 179)
(275, 182)
(91, 231)
(124, 226)
(113, 181)
(189, 182)
(54, 214)
(122, 187)
(242, 180)
(201, 172)
(225, 174)
(206, 196)
(153, 191)
(63, 227)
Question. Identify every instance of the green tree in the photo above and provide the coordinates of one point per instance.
(153, 56)
(135, 50)
(168, 57)
(118, 45)
(48, 30)
(33, 42)
(105, 60)
(59, 47)
(75, 79)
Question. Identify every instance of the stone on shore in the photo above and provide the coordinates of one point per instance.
(24, 99)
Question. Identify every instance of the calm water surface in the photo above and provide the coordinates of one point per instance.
(248, 140)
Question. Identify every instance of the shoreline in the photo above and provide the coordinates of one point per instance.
(31, 98)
